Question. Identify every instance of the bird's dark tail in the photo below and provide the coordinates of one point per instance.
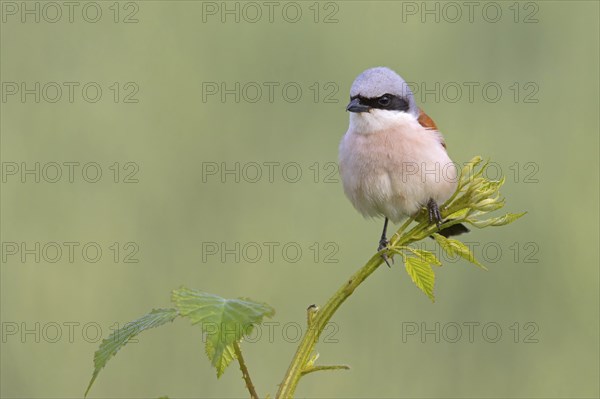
(454, 230)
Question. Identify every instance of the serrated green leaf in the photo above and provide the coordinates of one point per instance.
(119, 338)
(224, 321)
(458, 214)
(467, 171)
(454, 247)
(493, 185)
(507, 219)
(497, 221)
(480, 224)
(421, 274)
(425, 256)
(489, 204)
(220, 362)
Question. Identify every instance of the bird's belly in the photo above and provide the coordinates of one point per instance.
(386, 175)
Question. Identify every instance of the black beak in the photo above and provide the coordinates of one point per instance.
(356, 106)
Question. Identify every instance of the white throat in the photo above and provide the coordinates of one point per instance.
(378, 119)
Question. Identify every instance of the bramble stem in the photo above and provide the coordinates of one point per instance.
(245, 374)
(301, 358)
(322, 368)
(299, 365)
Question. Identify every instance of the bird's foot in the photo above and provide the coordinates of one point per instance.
(434, 213)
(383, 243)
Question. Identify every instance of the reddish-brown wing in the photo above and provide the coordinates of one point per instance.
(427, 122)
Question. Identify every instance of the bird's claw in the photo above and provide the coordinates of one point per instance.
(434, 213)
(387, 260)
(383, 243)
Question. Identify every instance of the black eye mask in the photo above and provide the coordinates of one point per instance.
(387, 101)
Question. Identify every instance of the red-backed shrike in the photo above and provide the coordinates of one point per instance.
(393, 159)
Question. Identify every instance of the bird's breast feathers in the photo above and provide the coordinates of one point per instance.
(392, 163)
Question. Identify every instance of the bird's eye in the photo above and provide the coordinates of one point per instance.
(384, 101)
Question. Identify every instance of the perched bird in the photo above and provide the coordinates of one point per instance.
(393, 160)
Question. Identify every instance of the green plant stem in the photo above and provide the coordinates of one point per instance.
(298, 367)
(312, 369)
(396, 236)
(301, 358)
(245, 374)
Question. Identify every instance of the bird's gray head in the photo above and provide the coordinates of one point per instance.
(381, 88)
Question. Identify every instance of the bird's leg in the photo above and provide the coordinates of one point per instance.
(383, 243)
(434, 212)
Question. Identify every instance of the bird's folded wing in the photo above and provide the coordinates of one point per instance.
(428, 123)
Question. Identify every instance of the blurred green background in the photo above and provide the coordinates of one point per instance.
(542, 132)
